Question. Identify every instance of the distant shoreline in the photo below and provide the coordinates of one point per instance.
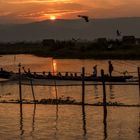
(105, 57)
(70, 50)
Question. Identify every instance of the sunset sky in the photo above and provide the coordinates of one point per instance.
(21, 11)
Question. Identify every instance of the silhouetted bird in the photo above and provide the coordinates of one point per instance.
(84, 17)
(118, 33)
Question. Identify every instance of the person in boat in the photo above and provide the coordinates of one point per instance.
(59, 74)
(71, 74)
(111, 68)
(66, 74)
(43, 73)
(29, 71)
(49, 74)
(95, 71)
(4, 71)
(24, 70)
(1, 69)
(75, 74)
(29, 74)
(35, 75)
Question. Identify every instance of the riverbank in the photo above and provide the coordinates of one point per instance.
(69, 50)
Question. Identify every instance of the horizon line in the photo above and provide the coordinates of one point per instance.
(68, 19)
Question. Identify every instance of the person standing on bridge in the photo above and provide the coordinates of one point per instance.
(110, 68)
(95, 71)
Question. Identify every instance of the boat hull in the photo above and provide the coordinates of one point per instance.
(15, 76)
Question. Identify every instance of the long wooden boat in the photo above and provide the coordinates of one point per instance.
(79, 78)
(15, 76)
(5, 74)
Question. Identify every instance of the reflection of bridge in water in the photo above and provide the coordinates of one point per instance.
(83, 105)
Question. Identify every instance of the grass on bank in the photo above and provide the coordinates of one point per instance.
(68, 50)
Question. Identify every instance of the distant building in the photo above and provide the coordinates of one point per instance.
(129, 40)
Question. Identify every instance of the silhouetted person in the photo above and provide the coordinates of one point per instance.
(95, 71)
(29, 72)
(84, 17)
(1, 69)
(71, 74)
(49, 74)
(110, 68)
(59, 74)
(75, 74)
(35, 74)
(118, 33)
(24, 70)
(66, 74)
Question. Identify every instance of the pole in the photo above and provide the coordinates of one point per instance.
(104, 105)
(21, 120)
(32, 90)
(104, 87)
(139, 76)
(83, 85)
(20, 90)
(84, 120)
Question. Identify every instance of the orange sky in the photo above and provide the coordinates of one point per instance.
(36, 10)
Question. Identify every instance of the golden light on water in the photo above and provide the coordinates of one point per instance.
(54, 66)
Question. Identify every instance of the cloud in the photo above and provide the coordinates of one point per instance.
(42, 9)
(121, 9)
(35, 1)
(60, 10)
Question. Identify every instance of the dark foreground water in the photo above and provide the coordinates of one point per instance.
(69, 122)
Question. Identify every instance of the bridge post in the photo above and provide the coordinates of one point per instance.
(139, 76)
(20, 89)
(104, 90)
(83, 85)
(32, 88)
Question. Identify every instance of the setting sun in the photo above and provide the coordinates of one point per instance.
(52, 17)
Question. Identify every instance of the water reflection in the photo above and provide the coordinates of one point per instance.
(96, 92)
(63, 122)
(14, 59)
(33, 119)
(111, 92)
(139, 114)
(104, 108)
(21, 120)
(139, 126)
(56, 121)
(32, 88)
(84, 120)
(54, 66)
(119, 122)
(105, 121)
(52, 92)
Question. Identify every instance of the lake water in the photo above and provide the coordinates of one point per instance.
(69, 122)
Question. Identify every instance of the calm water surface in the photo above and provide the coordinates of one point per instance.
(69, 122)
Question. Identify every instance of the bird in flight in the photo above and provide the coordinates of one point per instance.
(86, 18)
(118, 33)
